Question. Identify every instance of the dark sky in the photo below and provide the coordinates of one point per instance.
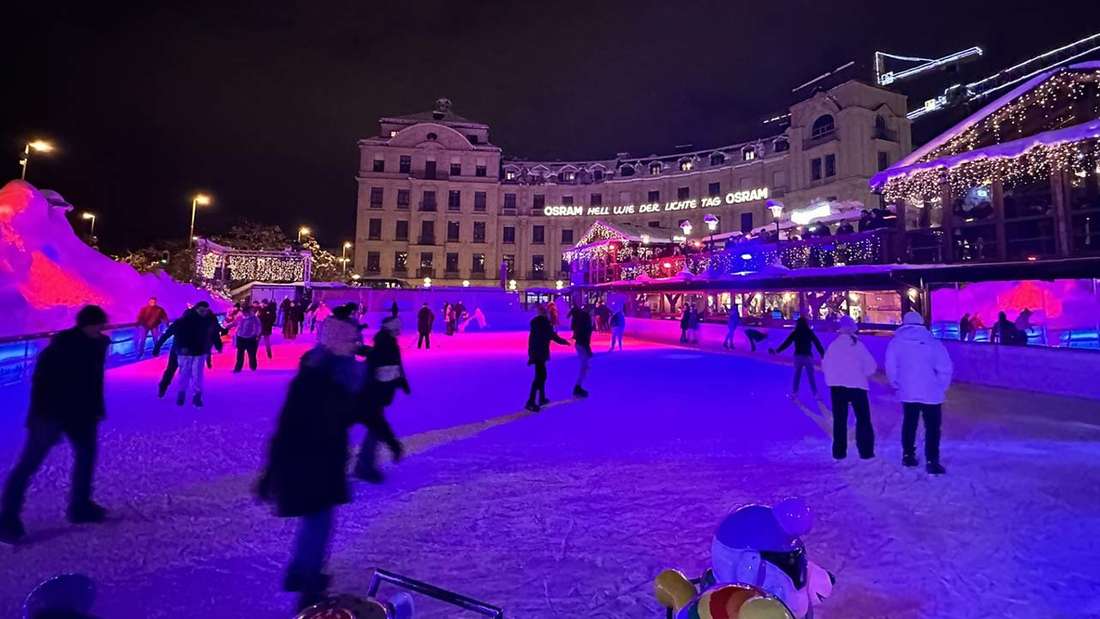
(262, 106)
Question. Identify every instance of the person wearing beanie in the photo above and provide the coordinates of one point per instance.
(847, 365)
(66, 400)
(194, 333)
(385, 375)
(919, 368)
(804, 340)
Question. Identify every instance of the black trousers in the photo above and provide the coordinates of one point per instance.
(865, 432)
(379, 430)
(42, 435)
(424, 338)
(169, 371)
(246, 345)
(933, 417)
(538, 386)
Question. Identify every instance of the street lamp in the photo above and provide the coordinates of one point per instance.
(38, 146)
(711, 220)
(776, 208)
(685, 225)
(200, 199)
(344, 253)
(344, 266)
(302, 231)
(91, 216)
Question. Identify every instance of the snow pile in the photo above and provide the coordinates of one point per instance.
(47, 272)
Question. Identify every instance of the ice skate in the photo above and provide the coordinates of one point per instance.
(90, 512)
(579, 392)
(909, 460)
(11, 529)
(935, 468)
(531, 406)
(543, 401)
(196, 401)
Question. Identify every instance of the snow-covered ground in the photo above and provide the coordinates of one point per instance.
(572, 512)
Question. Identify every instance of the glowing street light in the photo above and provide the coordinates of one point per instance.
(344, 253)
(303, 231)
(38, 146)
(776, 208)
(427, 282)
(344, 266)
(465, 283)
(91, 216)
(686, 226)
(200, 199)
(711, 220)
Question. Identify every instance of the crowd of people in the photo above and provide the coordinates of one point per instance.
(1004, 331)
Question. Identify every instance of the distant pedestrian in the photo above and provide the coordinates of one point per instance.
(448, 318)
(193, 333)
(321, 313)
(804, 340)
(268, 314)
(66, 400)
(385, 375)
(538, 354)
(618, 327)
(603, 316)
(247, 338)
(965, 328)
(685, 324)
(290, 322)
(732, 322)
(151, 319)
(847, 364)
(918, 366)
(580, 322)
(754, 337)
(696, 324)
(173, 355)
(551, 313)
(424, 320)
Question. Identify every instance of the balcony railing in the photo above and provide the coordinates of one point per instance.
(425, 272)
(400, 272)
(536, 275)
(820, 139)
(424, 239)
(427, 207)
(883, 133)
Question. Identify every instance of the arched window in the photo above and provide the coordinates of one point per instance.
(686, 165)
(655, 168)
(823, 126)
(433, 137)
(781, 145)
(717, 159)
(626, 170)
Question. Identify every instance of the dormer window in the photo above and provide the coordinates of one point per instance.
(781, 145)
(473, 139)
(433, 137)
(717, 159)
(626, 170)
(567, 176)
(686, 165)
(597, 175)
(393, 132)
(654, 168)
(509, 175)
(748, 153)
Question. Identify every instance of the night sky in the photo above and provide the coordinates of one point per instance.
(261, 106)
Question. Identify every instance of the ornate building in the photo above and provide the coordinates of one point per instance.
(436, 198)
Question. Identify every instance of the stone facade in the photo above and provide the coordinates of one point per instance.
(435, 192)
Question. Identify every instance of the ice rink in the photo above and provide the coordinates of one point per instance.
(572, 511)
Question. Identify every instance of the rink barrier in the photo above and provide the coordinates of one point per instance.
(455, 599)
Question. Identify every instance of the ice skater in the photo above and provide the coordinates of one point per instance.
(424, 320)
(918, 366)
(305, 475)
(847, 365)
(538, 354)
(732, 322)
(193, 333)
(173, 355)
(385, 375)
(580, 322)
(150, 319)
(247, 338)
(268, 313)
(685, 324)
(804, 340)
(618, 327)
(66, 400)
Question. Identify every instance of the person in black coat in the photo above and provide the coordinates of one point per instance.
(538, 353)
(173, 356)
(424, 320)
(66, 400)
(305, 475)
(385, 375)
(580, 322)
(268, 314)
(804, 340)
(195, 332)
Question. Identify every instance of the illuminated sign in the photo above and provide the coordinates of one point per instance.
(733, 197)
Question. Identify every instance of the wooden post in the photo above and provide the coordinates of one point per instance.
(1059, 193)
(999, 219)
(947, 223)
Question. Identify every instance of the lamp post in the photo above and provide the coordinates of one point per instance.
(344, 266)
(685, 226)
(303, 231)
(712, 226)
(344, 254)
(38, 146)
(776, 208)
(200, 199)
(91, 216)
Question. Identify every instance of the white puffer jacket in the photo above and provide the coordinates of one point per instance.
(848, 363)
(918, 365)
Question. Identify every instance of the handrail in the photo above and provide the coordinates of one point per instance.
(379, 576)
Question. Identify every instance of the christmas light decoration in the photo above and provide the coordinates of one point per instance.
(219, 263)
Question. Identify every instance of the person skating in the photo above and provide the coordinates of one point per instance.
(217, 330)
(804, 340)
(305, 474)
(66, 400)
(150, 319)
(538, 353)
(424, 320)
(268, 314)
(732, 322)
(247, 338)
(580, 322)
(847, 365)
(193, 333)
(618, 327)
(385, 375)
(685, 324)
(918, 366)
(552, 313)
(290, 321)
(173, 355)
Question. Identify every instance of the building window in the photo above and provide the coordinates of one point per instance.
(655, 168)
(405, 164)
(748, 154)
(427, 259)
(452, 262)
(376, 197)
(626, 170)
(654, 224)
(479, 231)
(427, 233)
(567, 176)
(478, 263)
(454, 200)
(400, 261)
(510, 200)
(401, 232)
(822, 127)
(432, 137)
(473, 139)
(379, 165)
(393, 133)
(538, 235)
(654, 196)
(539, 201)
(403, 199)
(374, 262)
(883, 160)
(686, 165)
(452, 231)
(683, 193)
(510, 264)
(456, 169)
(567, 200)
(567, 236)
(509, 237)
(830, 165)
(717, 159)
(429, 169)
(597, 175)
(781, 145)
(815, 169)
(565, 266)
(479, 170)
(595, 199)
(428, 201)
(538, 264)
(714, 189)
(479, 201)
(374, 230)
(746, 223)
(509, 175)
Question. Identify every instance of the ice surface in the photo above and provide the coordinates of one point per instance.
(573, 511)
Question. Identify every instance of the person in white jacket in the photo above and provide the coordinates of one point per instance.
(847, 365)
(919, 367)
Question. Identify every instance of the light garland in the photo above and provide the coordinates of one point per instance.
(215, 262)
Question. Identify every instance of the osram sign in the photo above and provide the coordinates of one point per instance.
(733, 197)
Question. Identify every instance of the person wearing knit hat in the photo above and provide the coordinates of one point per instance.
(66, 400)
(919, 368)
(847, 365)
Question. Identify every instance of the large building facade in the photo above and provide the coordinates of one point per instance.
(437, 199)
